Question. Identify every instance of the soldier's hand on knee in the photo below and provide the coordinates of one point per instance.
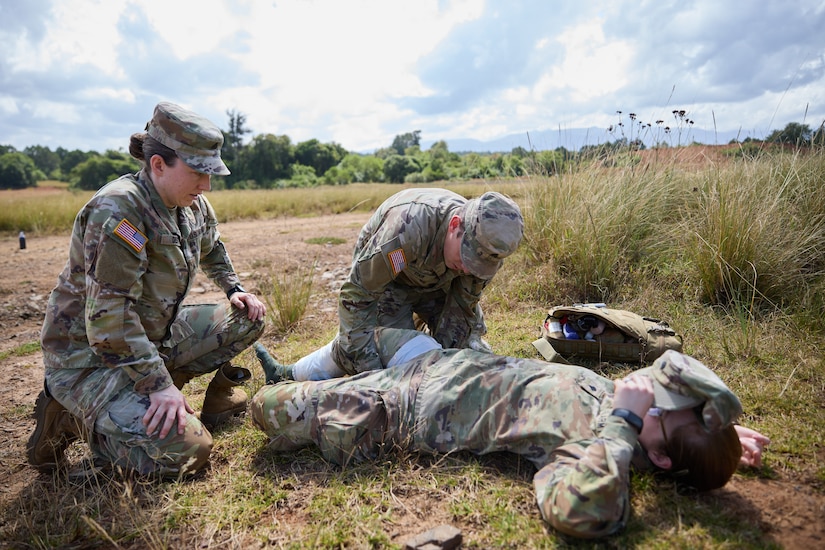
(255, 309)
(165, 407)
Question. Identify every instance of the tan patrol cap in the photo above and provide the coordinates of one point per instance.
(195, 139)
(493, 228)
(682, 382)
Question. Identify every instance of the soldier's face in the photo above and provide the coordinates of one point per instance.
(178, 185)
(656, 429)
(452, 246)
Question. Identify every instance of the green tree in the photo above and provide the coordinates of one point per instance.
(520, 152)
(818, 137)
(355, 168)
(233, 138)
(17, 171)
(44, 158)
(72, 158)
(7, 149)
(396, 168)
(403, 141)
(302, 176)
(96, 171)
(267, 159)
(320, 156)
(794, 133)
(545, 163)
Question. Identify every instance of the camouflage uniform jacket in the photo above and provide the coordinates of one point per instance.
(403, 244)
(556, 416)
(132, 261)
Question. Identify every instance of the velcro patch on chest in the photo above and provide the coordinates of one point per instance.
(397, 260)
(130, 235)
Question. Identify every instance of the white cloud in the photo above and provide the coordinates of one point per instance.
(592, 66)
(80, 32)
(359, 72)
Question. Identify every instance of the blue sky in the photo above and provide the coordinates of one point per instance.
(86, 74)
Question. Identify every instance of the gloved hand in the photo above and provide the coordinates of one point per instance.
(480, 344)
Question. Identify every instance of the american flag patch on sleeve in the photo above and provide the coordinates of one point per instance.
(397, 260)
(129, 233)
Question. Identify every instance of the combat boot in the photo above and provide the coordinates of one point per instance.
(56, 429)
(224, 398)
(273, 370)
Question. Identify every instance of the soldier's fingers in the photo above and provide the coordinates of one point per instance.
(152, 426)
(150, 413)
(182, 418)
(168, 422)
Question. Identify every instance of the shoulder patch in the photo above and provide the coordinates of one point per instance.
(397, 260)
(130, 235)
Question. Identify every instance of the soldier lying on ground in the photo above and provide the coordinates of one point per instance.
(583, 432)
(421, 261)
(117, 345)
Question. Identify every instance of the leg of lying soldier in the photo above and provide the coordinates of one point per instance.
(358, 418)
(395, 346)
(318, 365)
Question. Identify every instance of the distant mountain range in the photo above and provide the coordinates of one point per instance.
(575, 139)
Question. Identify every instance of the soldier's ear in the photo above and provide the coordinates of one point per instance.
(455, 222)
(156, 164)
(660, 459)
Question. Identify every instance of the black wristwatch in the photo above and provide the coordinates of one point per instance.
(234, 289)
(630, 417)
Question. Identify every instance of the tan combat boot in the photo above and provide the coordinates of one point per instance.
(56, 429)
(223, 397)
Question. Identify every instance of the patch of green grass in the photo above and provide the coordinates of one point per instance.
(22, 350)
(326, 240)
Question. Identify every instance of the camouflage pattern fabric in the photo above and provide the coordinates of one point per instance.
(681, 382)
(196, 140)
(556, 416)
(115, 326)
(113, 415)
(398, 269)
(493, 228)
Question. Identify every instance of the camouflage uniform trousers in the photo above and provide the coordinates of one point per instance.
(361, 417)
(204, 337)
(433, 312)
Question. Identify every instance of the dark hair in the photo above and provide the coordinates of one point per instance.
(702, 459)
(143, 147)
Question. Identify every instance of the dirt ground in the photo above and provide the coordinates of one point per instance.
(789, 513)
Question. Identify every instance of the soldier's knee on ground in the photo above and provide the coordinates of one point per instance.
(184, 454)
(200, 442)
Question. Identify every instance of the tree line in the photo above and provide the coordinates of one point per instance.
(270, 161)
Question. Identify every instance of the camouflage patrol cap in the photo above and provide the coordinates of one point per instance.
(493, 228)
(195, 139)
(682, 382)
